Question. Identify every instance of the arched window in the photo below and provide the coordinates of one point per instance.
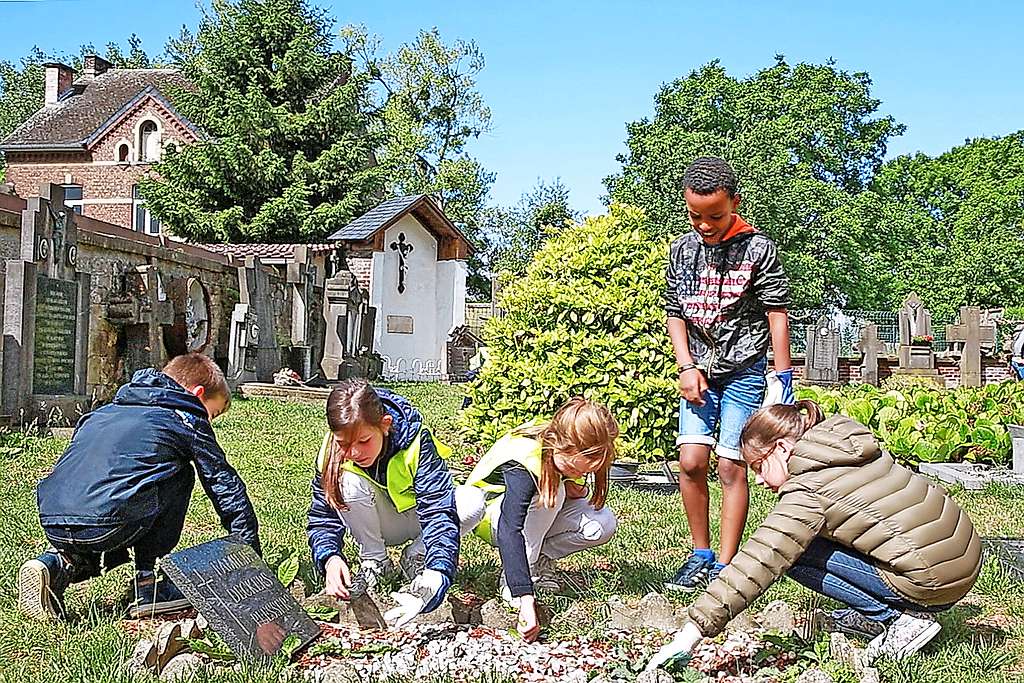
(122, 153)
(149, 141)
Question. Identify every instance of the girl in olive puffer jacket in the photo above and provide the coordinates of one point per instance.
(850, 523)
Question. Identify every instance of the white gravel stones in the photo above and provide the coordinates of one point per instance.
(466, 651)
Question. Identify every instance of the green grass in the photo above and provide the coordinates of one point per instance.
(273, 445)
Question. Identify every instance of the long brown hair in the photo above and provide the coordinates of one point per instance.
(579, 427)
(352, 402)
(774, 422)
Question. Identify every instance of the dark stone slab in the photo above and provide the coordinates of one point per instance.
(1009, 552)
(241, 598)
(56, 322)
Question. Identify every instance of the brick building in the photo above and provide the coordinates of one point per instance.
(97, 135)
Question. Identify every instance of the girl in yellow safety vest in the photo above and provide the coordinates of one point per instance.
(382, 476)
(540, 511)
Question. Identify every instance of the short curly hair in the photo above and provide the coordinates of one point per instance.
(708, 175)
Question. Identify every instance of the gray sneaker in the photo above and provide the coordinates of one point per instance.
(412, 563)
(906, 636)
(545, 574)
(852, 622)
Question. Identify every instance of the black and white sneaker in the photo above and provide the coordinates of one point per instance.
(155, 594)
(904, 637)
(692, 575)
(41, 586)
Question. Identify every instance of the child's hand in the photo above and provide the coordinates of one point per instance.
(692, 385)
(339, 577)
(528, 625)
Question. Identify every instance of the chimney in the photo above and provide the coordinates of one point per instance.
(95, 66)
(58, 79)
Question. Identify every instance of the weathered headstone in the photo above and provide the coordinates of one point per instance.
(1008, 552)
(970, 334)
(916, 358)
(253, 352)
(869, 346)
(141, 311)
(46, 315)
(241, 598)
(915, 322)
(348, 338)
(822, 364)
(305, 343)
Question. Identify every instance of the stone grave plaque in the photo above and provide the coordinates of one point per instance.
(399, 324)
(241, 598)
(53, 370)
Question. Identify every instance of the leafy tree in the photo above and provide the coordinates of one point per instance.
(804, 141)
(425, 107)
(951, 226)
(584, 319)
(287, 153)
(515, 233)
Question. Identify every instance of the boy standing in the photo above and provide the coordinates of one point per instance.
(126, 481)
(725, 300)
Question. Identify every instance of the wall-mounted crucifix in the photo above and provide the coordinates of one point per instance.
(403, 248)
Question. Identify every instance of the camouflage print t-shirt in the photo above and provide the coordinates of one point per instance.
(722, 292)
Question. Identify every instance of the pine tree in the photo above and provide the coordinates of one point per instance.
(286, 152)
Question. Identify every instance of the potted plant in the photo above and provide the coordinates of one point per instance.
(922, 340)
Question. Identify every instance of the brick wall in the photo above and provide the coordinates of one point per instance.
(361, 265)
(994, 370)
(106, 184)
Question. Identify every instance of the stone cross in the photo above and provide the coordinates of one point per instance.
(972, 334)
(403, 248)
(869, 346)
(45, 315)
(822, 364)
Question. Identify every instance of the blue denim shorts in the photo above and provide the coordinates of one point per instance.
(728, 404)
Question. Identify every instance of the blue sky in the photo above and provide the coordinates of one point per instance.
(563, 78)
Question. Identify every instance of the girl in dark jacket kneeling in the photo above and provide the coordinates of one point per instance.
(851, 524)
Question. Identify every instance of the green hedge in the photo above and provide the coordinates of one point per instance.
(586, 319)
(923, 424)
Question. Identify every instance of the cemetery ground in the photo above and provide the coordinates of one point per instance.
(273, 445)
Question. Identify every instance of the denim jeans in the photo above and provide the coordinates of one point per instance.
(728, 404)
(94, 549)
(850, 577)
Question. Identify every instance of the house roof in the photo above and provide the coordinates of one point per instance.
(266, 251)
(389, 212)
(379, 217)
(91, 106)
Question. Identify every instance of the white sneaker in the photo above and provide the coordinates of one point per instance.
(852, 622)
(906, 636)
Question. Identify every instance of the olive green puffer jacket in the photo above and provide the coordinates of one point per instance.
(844, 488)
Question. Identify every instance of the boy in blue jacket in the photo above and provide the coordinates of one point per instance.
(125, 483)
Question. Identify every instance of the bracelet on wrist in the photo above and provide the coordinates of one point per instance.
(687, 366)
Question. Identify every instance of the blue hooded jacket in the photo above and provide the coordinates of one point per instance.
(108, 475)
(432, 484)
